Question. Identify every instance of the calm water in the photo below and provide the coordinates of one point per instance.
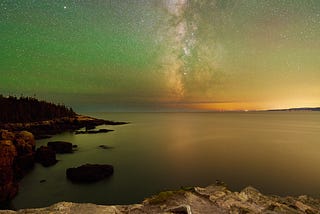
(276, 152)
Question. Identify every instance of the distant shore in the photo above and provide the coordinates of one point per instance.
(297, 109)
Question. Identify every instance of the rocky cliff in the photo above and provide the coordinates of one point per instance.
(16, 158)
(212, 199)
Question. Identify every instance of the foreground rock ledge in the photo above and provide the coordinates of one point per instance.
(212, 199)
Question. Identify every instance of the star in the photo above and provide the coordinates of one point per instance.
(178, 49)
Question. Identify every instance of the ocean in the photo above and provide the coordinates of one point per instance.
(275, 152)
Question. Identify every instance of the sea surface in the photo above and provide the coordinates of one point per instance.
(276, 152)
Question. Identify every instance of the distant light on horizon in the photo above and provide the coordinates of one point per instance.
(163, 55)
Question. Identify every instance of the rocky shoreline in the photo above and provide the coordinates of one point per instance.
(16, 159)
(17, 148)
(212, 199)
(18, 156)
(45, 129)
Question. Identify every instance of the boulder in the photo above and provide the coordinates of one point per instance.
(27, 137)
(24, 142)
(60, 147)
(89, 172)
(16, 158)
(8, 184)
(6, 135)
(8, 152)
(46, 156)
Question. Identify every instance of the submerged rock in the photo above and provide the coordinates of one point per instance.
(94, 131)
(46, 156)
(89, 172)
(60, 147)
(105, 147)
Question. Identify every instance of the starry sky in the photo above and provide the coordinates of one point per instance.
(162, 55)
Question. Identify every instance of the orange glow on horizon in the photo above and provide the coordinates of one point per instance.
(235, 106)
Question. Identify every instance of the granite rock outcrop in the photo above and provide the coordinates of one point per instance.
(46, 156)
(16, 159)
(208, 200)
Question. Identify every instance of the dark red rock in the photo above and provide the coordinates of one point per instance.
(46, 156)
(8, 183)
(89, 172)
(6, 135)
(60, 147)
(23, 164)
(24, 142)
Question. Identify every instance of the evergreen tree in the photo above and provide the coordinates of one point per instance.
(29, 109)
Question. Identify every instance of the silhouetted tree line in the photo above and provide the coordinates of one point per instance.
(29, 109)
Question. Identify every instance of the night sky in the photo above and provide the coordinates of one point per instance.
(159, 55)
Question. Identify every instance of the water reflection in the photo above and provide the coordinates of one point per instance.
(277, 153)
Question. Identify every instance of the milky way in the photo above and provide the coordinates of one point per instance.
(162, 54)
(180, 49)
(188, 61)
